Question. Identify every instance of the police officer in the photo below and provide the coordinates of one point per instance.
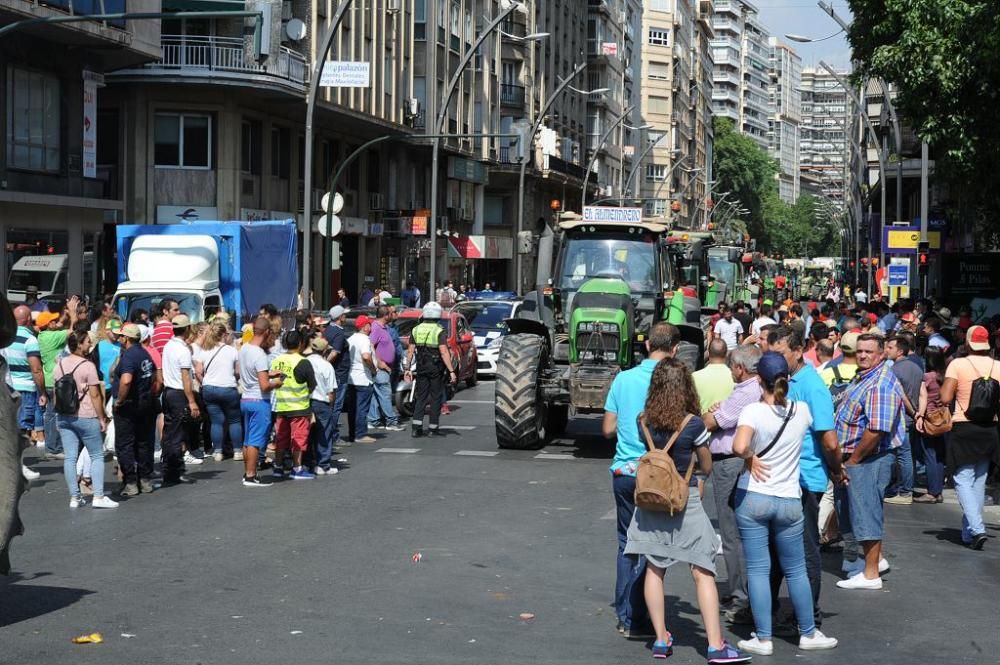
(429, 342)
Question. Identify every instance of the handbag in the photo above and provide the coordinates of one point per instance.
(767, 449)
(937, 422)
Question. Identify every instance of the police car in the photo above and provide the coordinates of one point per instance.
(487, 320)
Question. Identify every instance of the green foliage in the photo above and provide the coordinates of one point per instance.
(944, 56)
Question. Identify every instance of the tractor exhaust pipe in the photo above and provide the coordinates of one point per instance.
(546, 244)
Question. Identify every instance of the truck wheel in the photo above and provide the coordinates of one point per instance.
(404, 407)
(558, 418)
(519, 405)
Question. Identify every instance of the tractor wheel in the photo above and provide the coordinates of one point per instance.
(558, 418)
(404, 406)
(519, 405)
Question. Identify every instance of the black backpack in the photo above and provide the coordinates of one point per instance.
(65, 394)
(838, 388)
(984, 398)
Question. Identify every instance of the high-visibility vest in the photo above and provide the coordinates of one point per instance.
(292, 395)
(425, 336)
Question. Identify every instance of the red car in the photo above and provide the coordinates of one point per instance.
(460, 340)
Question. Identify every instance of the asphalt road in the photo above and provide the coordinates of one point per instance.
(323, 571)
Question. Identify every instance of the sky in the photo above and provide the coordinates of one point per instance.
(804, 17)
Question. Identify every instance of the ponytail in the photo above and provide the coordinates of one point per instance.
(780, 390)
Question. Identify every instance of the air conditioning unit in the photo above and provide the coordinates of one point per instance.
(375, 201)
(465, 213)
(247, 187)
(286, 11)
(412, 106)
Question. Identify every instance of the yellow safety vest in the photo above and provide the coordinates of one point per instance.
(292, 395)
(425, 337)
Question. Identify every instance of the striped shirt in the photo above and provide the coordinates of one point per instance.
(25, 346)
(163, 332)
(874, 402)
(727, 416)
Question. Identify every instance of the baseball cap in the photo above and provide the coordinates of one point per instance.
(361, 322)
(114, 325)
(908, 317)
(768, 302)
(45, 318)
(849, 342)
(945, 314)
(771, 366)
(978, 338)
(144, 331)
(181, 321)
(131, 331)
(319, 344)
(336, 312)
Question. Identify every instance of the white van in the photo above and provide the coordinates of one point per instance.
(47, 272)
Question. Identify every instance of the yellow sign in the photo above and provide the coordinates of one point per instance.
(911, 239)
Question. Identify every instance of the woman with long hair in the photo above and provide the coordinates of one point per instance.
(932, 448)
(769, 504)
(84, 428)
(672, 406)
(217, 367)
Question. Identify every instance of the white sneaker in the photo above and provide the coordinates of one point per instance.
(318, 470)
(237, 455)
(859, 581)
(103, 502)
(77, 501)
(40, 444)
(393, 428)
(756, 646)
(859, 564)
(191, 459)
(156, 455)
(29, 474)
(217, 457)
(817, 641)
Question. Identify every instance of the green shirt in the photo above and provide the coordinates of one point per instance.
(50, 345)
(714, 384)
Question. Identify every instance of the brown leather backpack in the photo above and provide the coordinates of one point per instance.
(658, 484)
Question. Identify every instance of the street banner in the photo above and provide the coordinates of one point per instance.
(345, 74)
(904, 239)
(608, 214)
(90, 83)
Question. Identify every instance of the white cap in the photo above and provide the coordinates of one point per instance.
(336, 312)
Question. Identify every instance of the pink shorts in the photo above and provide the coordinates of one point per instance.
(291, 431)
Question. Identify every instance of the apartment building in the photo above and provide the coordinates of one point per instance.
(823, 141)
(785, 100)
(675, 159)
(741, 56)
(61, 150)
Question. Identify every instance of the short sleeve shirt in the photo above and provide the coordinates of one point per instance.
(176, 357)
(714, 383)
(694, 435)
(25, 346)
(337, 338)
(384, 347)
(50, 345)
(326, 380)
(807, 386)
(85, 375)
(253, 359)
(219, 365)
(136, 361)
(874, 402)
(729, 331)
(627, 398)
(727, 416)
(783, 458)
(359, 345)
(910, 376)
(965, 371)
(163, 332)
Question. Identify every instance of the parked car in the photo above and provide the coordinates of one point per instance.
(460, 343)
(487, 319)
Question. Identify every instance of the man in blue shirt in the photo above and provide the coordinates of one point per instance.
(626, 400)
(339, 356)
(820, 457)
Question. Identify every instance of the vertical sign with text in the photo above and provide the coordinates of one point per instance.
(91, 81)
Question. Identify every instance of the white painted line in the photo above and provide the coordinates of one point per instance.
(402, 451)
(470, 401)
(553, 456)
(610, 515)
(478, 453)
(458, 427)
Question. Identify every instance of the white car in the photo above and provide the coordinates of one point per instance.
(486, 318)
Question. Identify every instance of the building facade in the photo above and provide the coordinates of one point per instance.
(785, 98)
(741, 76)
(824, 141)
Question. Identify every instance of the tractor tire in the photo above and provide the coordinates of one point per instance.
(404, 407)
(520, 410)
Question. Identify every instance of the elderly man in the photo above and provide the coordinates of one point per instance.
(339, 355)
(714, 381)
(359, 381)
(721, 421)
(24, 364)
(870, 424)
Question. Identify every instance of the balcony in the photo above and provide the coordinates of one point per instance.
(511, 28)
(512, 95)
(212, 57)
(553, 163)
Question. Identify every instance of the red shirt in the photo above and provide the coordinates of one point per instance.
(163, 332)
(779, 281)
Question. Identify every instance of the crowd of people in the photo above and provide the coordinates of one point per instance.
(160, 387)
(808, 418)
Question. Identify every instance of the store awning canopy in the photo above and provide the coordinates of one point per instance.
(466, 247)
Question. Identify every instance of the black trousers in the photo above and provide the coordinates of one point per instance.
(430, 387)
(134, 432)
(176, 431)
(814, 562)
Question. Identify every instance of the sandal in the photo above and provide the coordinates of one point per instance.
(86, 486)
(663, 649)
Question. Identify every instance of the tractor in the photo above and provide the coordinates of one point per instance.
(587, 320)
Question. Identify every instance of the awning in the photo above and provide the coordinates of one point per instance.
(466, 247)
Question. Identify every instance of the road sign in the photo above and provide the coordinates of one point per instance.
(899, 275)
(334, 206)
(329, 226)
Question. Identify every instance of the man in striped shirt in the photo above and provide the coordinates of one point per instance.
(163, 332)
(24, 363)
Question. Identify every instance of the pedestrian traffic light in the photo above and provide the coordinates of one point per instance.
(923, 262)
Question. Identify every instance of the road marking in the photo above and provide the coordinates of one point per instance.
(402, 451)
(458, 427)
(478, 453)
(553, 456)
(470, 401)
(610, 515)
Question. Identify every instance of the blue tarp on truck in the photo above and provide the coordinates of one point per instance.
(257, 260)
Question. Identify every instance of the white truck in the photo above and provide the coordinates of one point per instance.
(47, 272)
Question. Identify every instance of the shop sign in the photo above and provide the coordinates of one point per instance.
(91, 81)
(466, 247)
(181, 214)
(344, 74)
(974, 275)
(419, 225)
(375, 228)
(466, 169)
(257, 215)
(354, 226)
(608, 214)
(904, 240)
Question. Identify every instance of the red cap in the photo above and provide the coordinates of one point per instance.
(908, 317)
(361, 322)
(872, 318)
(978, 339)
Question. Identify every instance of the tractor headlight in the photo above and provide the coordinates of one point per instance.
(593, 327)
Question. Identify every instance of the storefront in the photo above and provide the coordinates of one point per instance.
(475, 260)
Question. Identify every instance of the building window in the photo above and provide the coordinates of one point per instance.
(281, 152)
(250, 147)
(658, 37)
(656, 172)
(182, 140)
(659, 105)
(33, 120)
(659, 71)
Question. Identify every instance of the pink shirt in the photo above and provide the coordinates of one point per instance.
(85, 375)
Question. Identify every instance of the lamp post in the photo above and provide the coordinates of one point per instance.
(527, 156)
(507, 7)
(590, 165)
(638, 164)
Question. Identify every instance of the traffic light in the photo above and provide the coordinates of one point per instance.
(923, 262)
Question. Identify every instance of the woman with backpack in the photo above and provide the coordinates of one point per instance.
(671, 422)
(933, 415)
(217, 367)
(80, 417)
(769, 505)
(972, 383)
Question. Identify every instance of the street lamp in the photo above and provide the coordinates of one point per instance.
(809, 40)
(638, 163)
(507, 7)
(597, 148)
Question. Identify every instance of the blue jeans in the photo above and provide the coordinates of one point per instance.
(933, 448)
(761, 517)
(321, 435)
(338, 407)
(630, 604)
(223, 406)
(970, 485)
(904, 458)
(859, 505)
(86, 432)
(381, 404)
(27, 410)
(53, 444)
(358, 403)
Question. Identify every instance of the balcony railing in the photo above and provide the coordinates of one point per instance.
(553, 163)
(511, 95)
(513, 28)
(227, 55)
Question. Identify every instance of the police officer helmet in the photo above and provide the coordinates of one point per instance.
(431, 310)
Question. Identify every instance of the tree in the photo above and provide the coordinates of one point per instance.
(944, 57)
(741, 167)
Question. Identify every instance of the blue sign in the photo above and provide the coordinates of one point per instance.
(899, 275)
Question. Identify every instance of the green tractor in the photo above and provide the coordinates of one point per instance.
(587, 320)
